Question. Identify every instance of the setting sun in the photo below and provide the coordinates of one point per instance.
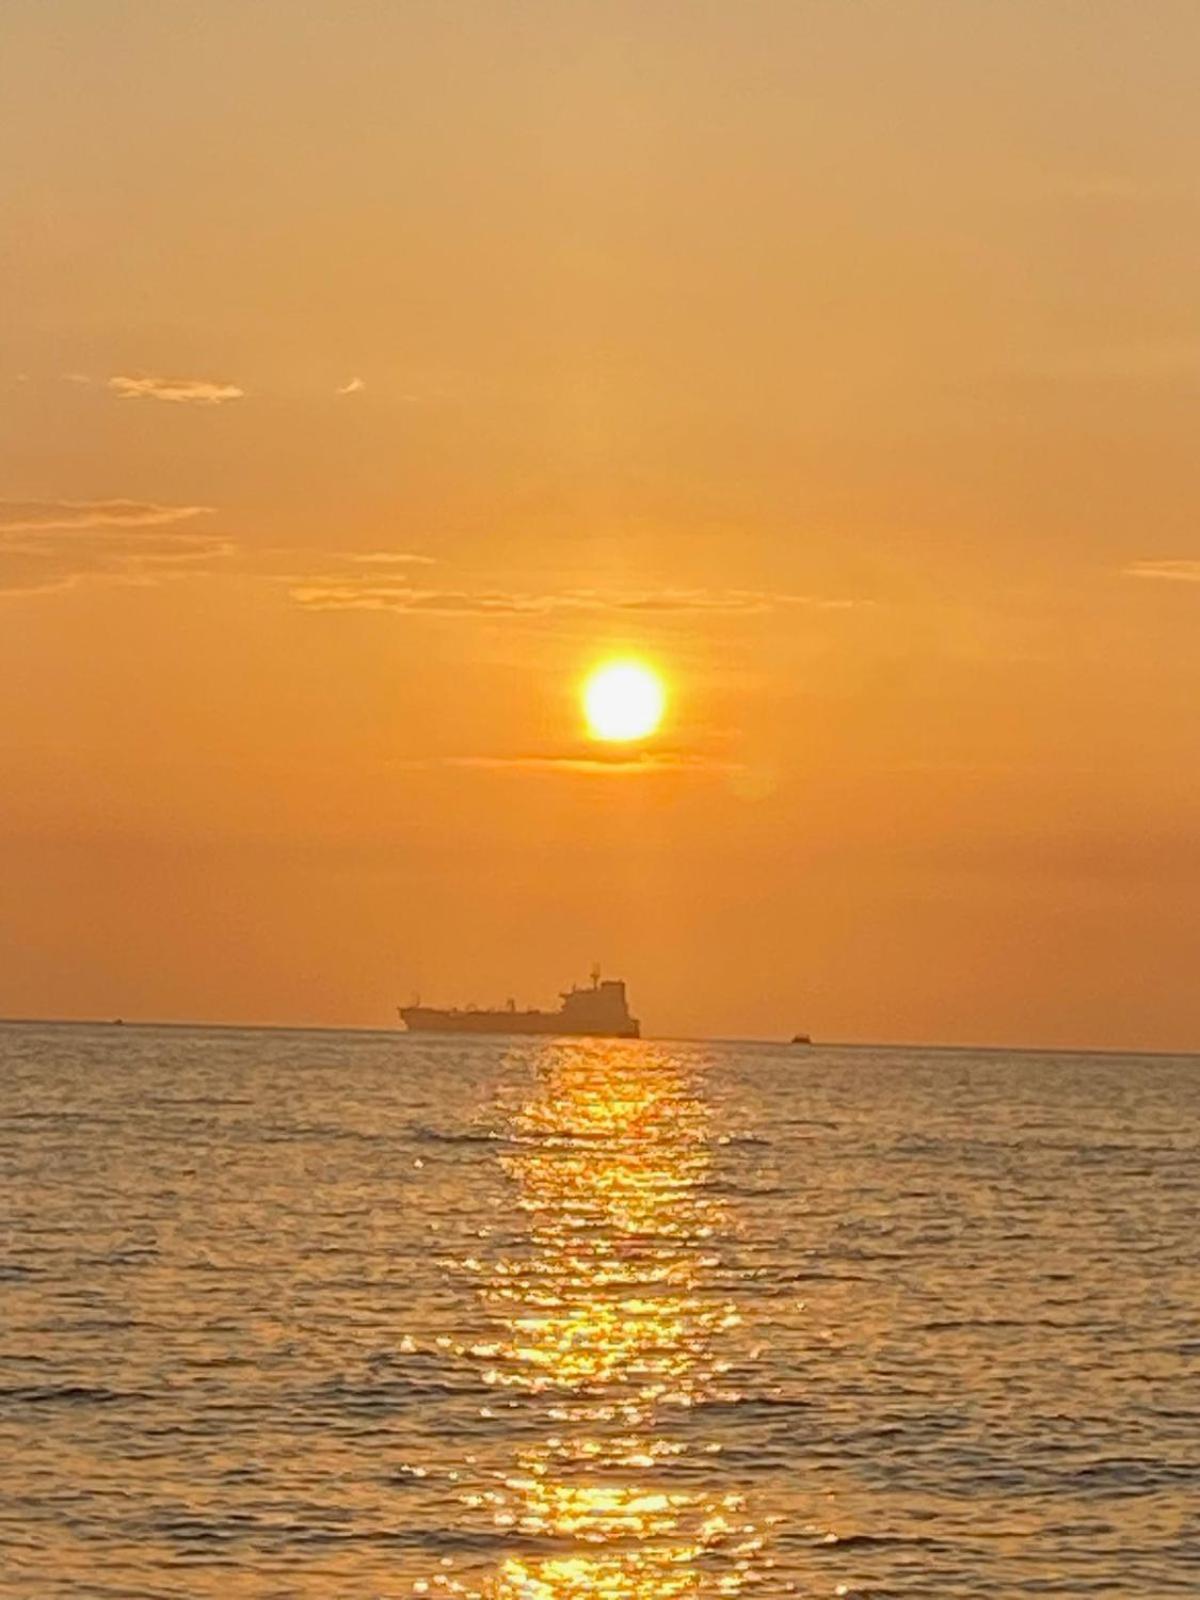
(623, 700)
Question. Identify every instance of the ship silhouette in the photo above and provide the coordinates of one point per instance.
(600, 1011)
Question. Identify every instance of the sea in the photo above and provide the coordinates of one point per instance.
(310, 1315)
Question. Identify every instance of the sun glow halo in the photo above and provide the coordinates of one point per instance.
(623, 700)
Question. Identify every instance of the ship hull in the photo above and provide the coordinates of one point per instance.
(426, 1019)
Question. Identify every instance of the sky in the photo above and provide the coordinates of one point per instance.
(369, 373)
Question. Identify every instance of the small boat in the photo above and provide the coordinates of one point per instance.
(802, 1038)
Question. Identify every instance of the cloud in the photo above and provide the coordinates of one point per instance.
(51, 544)
(179, 391)
(747, 601)
(384, 595)
(45, 516)
(373, 594)
(355, 386)
(617, 764)
(1175, 571)
(55, 544)
(351, 571)
(389, 558)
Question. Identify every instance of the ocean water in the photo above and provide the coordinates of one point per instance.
(327, 1316)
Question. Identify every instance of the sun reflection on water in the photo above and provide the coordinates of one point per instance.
(610, 1319)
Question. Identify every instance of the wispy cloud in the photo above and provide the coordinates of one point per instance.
(1183, 571)
(355, 386)
(55, 544)
(45, 516)
(51, 544)
(389, 558)
(600, 765)
(373, 594)
(348, 570)
(177, 391)
(747, 601)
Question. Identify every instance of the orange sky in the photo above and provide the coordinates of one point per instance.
(372, 371)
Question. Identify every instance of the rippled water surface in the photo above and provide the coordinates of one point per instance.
(332, 1315)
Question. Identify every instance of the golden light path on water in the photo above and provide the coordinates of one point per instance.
(609, 1333)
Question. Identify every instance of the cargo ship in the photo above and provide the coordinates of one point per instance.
(598, 1012)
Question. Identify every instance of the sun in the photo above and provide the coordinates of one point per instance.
(623, 700)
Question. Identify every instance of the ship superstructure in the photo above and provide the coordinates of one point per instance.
(599, 1011)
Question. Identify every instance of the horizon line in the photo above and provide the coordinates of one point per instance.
(185, 1025)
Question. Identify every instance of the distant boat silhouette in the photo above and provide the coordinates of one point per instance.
(802, 1038)
(600, 1012)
